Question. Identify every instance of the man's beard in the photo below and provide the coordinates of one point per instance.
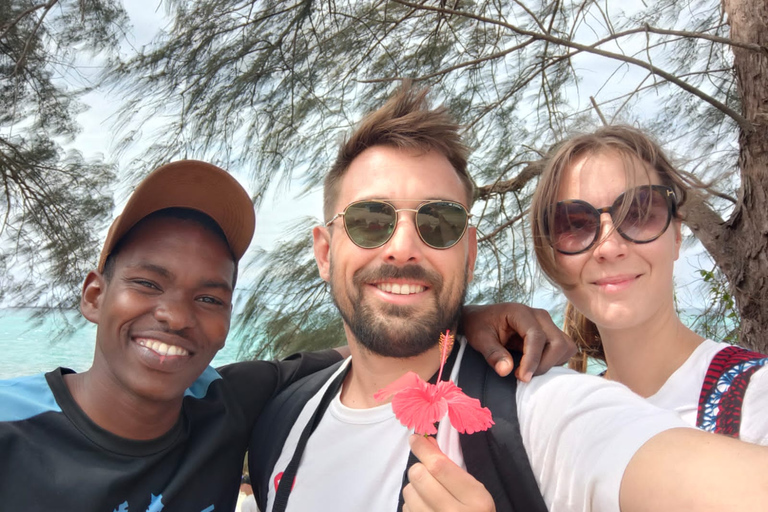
(379, 332)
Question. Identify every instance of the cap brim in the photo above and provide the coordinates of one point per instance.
(189, 184)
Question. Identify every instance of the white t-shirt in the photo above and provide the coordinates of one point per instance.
(681, 393)
(246, 503)
(580, 432)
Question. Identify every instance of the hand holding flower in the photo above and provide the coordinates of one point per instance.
(419, 405)
(437, 484)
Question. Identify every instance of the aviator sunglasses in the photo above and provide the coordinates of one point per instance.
(371, 223)
(574, 226)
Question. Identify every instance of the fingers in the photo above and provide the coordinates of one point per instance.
(412, 500)
(436, 470)
(556, 351)
(496, 355)
(534, 344)
(521, 328)
(438, 484)
(532, 329)
(487, 331)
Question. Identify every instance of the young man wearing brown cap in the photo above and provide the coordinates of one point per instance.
(150, 425)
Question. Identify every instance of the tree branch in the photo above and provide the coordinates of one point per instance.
(743, 123)
(23, 55)
(447, 70)
(707, 225)
(19, 17)
(697, 35)
(597, 109)
(502, 227)
(530, 171)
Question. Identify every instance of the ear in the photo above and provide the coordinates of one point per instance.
(321, 243)
(471, 252)
(678, 227)
(91, 297)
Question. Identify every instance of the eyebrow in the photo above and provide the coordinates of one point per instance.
(151, 267)
(164, 272)
(397, 199)
(217, 284)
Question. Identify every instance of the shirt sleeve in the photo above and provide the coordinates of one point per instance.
(580, 433)
(754, 410)
(253, 383)
(298, 366)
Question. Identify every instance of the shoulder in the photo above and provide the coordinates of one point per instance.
(731, 355)
(561, 389)
(707, 350)
(247, 373)
(579, 411)
(754, 427)
(580, 432)
(561, 380)
(200, 388)
(24, 397)
(271, 376)
(731, 370)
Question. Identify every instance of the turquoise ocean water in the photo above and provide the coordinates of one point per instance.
(27, 347)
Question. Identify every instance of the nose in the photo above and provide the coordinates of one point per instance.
(610, 245)
(175, 312)
(405, 246)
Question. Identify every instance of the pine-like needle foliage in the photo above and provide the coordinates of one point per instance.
(289, 307)
(270, 86)
(52, 202)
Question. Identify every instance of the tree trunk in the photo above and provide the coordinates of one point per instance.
(744, 240)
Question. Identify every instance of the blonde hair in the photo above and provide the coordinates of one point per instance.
(633, 147)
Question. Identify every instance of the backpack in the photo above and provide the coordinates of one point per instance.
(495, 457)
(725, 385)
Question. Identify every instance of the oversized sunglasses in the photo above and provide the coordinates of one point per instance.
(573, 226)
(370, 224)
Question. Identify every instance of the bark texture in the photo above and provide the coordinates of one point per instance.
(743, 240)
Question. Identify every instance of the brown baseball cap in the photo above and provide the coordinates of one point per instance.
(189, 184)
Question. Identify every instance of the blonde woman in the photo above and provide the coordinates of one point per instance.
(606, 223)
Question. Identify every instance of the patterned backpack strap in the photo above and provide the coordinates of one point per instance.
(724, 387)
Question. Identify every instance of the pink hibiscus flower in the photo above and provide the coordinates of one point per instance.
(419, 405)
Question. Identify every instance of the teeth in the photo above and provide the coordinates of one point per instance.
(400, 289)
(163, 349)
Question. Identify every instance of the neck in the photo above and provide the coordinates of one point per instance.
(106, 403)
(645, 356)
(371, 372)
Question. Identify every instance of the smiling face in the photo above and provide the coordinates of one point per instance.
(395, 299)
(165, 310)
(617, 284)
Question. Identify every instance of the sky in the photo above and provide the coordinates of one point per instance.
(281, 207)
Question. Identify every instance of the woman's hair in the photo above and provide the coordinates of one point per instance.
(634, 148)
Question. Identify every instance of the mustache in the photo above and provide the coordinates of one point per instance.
(416, 272)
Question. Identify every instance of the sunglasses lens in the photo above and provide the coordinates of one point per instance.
(370, 223)
(647, 215)
(441, 224)
(575, 226)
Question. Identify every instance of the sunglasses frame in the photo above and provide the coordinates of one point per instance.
(416, 210)
(667, 193)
